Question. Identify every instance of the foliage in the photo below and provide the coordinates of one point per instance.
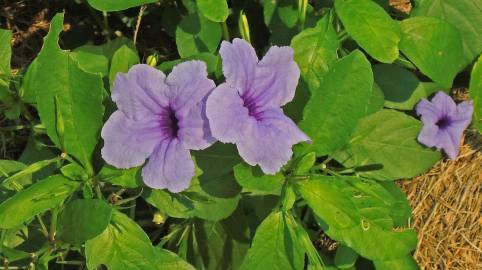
(363, 69)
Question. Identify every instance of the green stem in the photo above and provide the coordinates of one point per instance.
(45, 232)
(302, 6)
(225, 31)
(53, 224)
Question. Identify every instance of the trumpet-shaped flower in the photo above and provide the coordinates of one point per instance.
(245, 110)
(444, 122)
(159, 118)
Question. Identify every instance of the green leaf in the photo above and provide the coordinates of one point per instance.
(90, 60)
(212, 61)
(376, 101)
(129, 178)
(434, 46)
(475, 91)
(371, 27)
(196, 34)
(401, 88)
(214, 10)
(82, 220)
(5, 55)
(122, 60)
(222, 245)
(404, 263)
(124, 245)
(316, 50)
(305, 163)
(282, 19)
(356, 212)
(275, 246)
(254, 181)
(36, 199)
(116, 5)
(465, 15)
(345, 257)
(384, 147)
(63, 92)
(9, 168)
(74, 172)
(335, 107)
(213, 194)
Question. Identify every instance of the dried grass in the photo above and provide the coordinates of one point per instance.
(447, 207)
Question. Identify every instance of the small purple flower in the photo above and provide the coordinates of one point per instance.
(161, 119)
(444, 122)
(245, 110)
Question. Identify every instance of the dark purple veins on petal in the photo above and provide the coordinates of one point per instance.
(168, 122)
(444, 122)
(249, 102)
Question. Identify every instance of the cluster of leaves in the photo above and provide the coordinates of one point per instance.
(363, 68)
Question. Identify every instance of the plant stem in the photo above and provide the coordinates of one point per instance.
(225, 31)
(53, 224)
(45, 232)
(138, 23)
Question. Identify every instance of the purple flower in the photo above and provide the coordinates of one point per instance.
(444, 122)
(246, 109)
(161, 119)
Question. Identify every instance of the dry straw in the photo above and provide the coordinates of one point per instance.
(447, 207)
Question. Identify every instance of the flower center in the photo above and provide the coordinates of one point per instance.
(250, 104)
(169, 122)
(443, 122)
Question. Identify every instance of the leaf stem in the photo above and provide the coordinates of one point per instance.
(45, 232)
(53, 224)
(225, 31)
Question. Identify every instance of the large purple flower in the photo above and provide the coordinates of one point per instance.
(245, 110)
(161, 119)
(444, 122)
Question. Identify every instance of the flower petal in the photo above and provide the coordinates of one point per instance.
(449, 141)
(463, 114)
(276, 78)
(188, 84)
(427, 135)
(268, 142)
(140, 92)
(239, 63)
(127, 143)
(194, 130)
(444, 103)
(428, 112)
(228, 118)
(170, 167)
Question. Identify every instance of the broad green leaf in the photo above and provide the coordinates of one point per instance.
(13, 255)
(129, 178)
(335, 107)
(74, 172)
(275, 246)
(356, 212)
(27, 89)
(90, 61)
(116, 5)
(384, 147)
(371, 27)
(434, 46)
(196, 34)
(404, 263)
(345, 257)
(122, 60)
(222, 245)
(5, 73)
(15, 180)
(212, 61)
(475, 91)
(214, 10)
(124, 245)
(316, 50)
(82, 220)
(36, 199)
(213, 194)
(401, 88)
(254, 181)
(465, 15)
(377, 100)
(305, 163)
(282, 19)
(400, 212)
(36, 151)
(69, 100)
(9, 168)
